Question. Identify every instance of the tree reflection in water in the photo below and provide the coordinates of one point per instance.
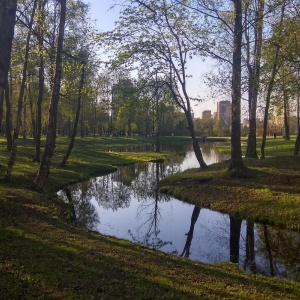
(235, 233)
(249, 263)
(127, 204)
(187, 246)
(83, 211)
(148, 210)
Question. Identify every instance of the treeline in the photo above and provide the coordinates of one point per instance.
(55, 79)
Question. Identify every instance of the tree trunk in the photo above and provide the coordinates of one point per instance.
(38, 131)
(237, 163)
(32, 117)
(44, 170)
(297, 143)
(196, 145)
(286, 113)
(68, 153)
(82, 124)
(24, 125)
(269, 91)
(251, 144)
(95, 121)
(8, 118)
(1, 108)
(157, 123)
(7, 24)
(268, 99)
(13, 153)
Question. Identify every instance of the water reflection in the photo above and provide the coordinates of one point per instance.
(126, 204)
(83, 211)
(190, 234)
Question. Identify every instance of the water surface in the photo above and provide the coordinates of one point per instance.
(126, 204)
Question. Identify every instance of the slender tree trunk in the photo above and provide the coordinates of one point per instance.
(1, 108)
(95, 121)
(196, 145)
(82, 123)
(297, 143)
(13, 153)
(7, 24)
(38, 131)
(237, 163)
(268, 100)
(44, 170)
(32, 117)
(286, 119)
(8, 118)
(157, 124)
(286, 111)
(270, 87)
(71, 144)
(251, 145)
(24, 125)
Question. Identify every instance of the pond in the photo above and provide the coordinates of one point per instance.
(126, 204)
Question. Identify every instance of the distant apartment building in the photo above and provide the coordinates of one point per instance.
(215, 116)
(206, 114)
(224, 112)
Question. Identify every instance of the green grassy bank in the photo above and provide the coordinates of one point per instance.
(44, 256)
(268, 192)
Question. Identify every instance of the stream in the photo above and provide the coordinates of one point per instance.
(126, 204)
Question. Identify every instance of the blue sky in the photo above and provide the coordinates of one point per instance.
(100, 10)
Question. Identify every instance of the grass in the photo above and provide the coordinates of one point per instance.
(44, 256)
(268, 192)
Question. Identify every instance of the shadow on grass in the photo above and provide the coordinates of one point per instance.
(44, 257)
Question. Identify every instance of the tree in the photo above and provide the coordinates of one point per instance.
(254, 74)
(161, 38)
(21, 99)
(7, 24)
(236, 163)
(41, 85)
(68, 153)
(158, 99)
(8, 118)
(124, 105)
(272, 64)
(223, 16)
(44, 169)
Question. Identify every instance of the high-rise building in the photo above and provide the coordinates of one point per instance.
(224, 112)
(206, 114)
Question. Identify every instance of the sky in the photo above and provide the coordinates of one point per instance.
(105, 17)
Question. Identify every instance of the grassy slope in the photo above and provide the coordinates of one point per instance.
(43, 256)
(268, 192)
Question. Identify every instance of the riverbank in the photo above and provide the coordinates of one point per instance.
(44, 256)
(268, 192)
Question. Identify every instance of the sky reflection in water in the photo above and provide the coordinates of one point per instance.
(126, 204)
